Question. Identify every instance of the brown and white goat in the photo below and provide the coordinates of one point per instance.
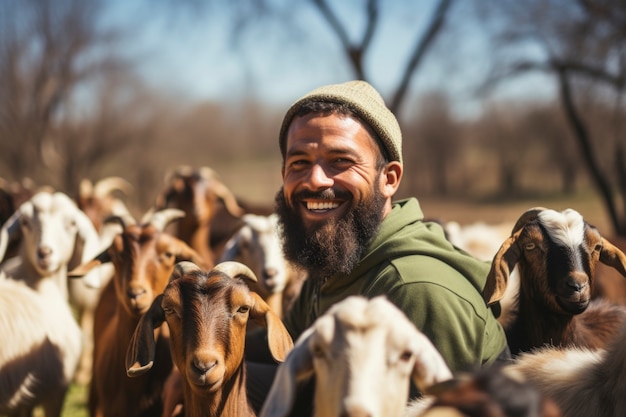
(363, 355)
(207, 314)
(143, 257)
(556, 254)
(487, 392)
(583, 382)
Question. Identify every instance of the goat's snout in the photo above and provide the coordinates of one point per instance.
(204, 369)
(576, 293)
(355, 410)
(44, 252)
(578, 282)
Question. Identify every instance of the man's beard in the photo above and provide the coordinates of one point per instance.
(334, 245)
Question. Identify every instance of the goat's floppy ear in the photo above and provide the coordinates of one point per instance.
(10, 231)
(278, 338)
(503, 263)
(430, 367)
(142, 346)
(297, 367)
(612, 256)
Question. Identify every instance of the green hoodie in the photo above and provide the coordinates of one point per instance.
(437, 286)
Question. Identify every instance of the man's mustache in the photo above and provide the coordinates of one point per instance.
(327, 194)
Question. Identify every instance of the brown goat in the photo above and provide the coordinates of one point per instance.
(212, 212)
(99, 202)
(198, 193)
(207, 314)
(556, 254)
(143, 257)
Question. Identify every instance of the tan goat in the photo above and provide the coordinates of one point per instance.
(143, 257)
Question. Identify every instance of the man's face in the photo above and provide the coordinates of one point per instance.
(333, 197)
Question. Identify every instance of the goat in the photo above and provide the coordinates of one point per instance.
(40, 349)
(479, 239)
(486, 392)
(583, 382)
(363, 354)
(556, 254)
(197, 192)
(207, 314)
(143, 257)
(54, 236)
(99, 202)
(258, 245)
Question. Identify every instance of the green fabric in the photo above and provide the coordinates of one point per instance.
(437, 285)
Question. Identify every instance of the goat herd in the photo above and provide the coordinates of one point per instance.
(135, 310)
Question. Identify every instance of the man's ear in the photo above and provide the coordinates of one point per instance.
(391, 176)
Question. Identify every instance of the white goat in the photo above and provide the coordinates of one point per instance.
(479, 239)
(363, 354)
(258, 245)
(583, 382)
(54, 235)
(40, 349)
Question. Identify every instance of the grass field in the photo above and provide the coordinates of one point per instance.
(463, 212)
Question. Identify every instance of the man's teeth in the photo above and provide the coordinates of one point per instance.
(322, 206)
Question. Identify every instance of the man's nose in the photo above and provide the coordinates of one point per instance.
(318, 179)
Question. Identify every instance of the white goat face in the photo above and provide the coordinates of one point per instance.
(49, 232)
(258, 245)
(351, 379)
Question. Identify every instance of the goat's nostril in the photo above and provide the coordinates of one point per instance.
(135, 292)
(203, 366)
(44, 251)
(577, 285)
(269, 273)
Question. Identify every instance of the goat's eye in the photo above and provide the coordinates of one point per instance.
(170, 311)
(530, 246)
(317, 351)
(168, 254)
(598, 247)
(406, 356)
(243, 309)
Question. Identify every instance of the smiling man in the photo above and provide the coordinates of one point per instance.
(342, 165)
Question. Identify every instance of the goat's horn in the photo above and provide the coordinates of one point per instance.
(162, 218)
(527, 216)
(106, 186)
(85, 188)
(183, 268)
(235, 269)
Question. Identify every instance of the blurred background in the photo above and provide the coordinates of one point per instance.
(500, 101)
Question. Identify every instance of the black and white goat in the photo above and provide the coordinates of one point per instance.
(556, 254)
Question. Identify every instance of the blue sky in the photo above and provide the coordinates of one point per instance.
(191, 55)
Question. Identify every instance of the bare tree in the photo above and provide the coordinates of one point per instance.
(50, 52)
(582, 44)
(437, 141)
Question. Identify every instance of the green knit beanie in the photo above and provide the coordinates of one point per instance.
(365, 101)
